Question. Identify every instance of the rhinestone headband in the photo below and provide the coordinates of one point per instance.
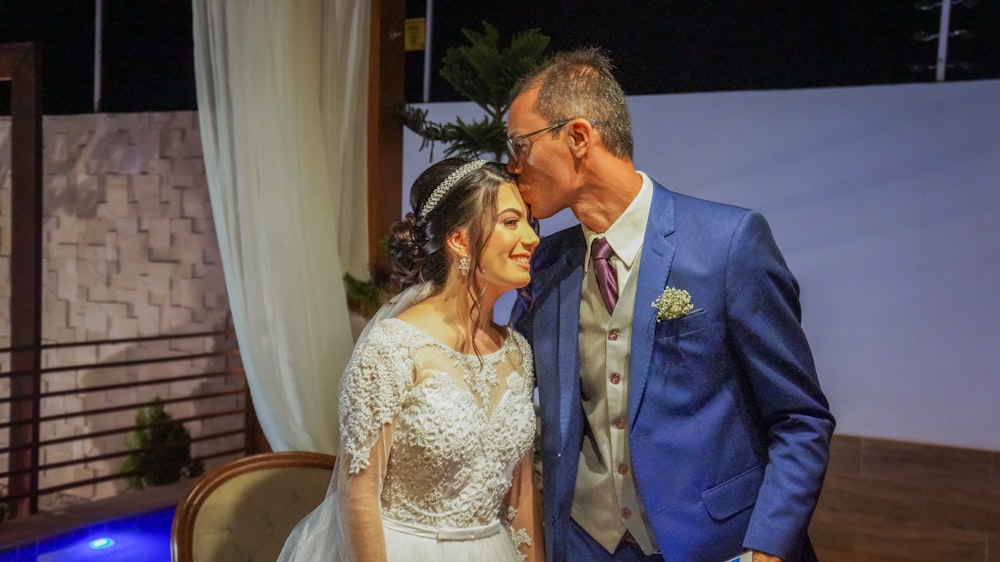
(447, 184)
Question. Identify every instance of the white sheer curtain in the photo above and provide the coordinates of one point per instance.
(282, 108)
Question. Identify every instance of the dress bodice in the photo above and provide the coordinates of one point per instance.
(460, 423)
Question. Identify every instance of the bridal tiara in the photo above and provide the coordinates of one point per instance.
(448, 183)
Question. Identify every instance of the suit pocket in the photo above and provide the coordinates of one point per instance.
(695, 321)
(733, 495)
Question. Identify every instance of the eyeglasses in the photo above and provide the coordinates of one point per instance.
(519, 145)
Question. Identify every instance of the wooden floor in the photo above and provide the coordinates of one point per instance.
(882, 501)
(889, 501)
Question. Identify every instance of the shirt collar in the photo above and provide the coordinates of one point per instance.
(625, 234)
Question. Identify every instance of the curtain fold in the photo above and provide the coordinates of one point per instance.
(345, 102)
(282, 110)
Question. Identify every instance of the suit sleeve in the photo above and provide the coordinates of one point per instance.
(763, 316)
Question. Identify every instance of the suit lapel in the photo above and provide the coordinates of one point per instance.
(654, 267)
(568, 339)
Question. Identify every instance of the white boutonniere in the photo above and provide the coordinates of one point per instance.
(673, 303)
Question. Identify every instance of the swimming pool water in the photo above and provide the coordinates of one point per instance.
(138, 538)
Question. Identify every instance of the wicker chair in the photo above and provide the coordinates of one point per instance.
(244, 510)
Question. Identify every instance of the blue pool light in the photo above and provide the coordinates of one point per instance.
(143, 537)
(102, 543)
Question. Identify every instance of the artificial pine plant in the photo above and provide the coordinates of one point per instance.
(484, 72)
(161, 450)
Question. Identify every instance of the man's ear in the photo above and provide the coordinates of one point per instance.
(581, 137)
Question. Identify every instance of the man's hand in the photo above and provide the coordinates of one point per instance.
(759, 556)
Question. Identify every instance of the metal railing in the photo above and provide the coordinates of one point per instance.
(207, 386)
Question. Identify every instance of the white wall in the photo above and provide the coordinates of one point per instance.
(886, 203)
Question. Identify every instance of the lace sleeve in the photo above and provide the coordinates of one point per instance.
(376, 378)
(518, 535)
(522, 516)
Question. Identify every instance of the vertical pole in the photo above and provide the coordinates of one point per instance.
(942, 53)
(22, 63)
(250, 428)
(386, 66)
(98, 51)
(428, 32)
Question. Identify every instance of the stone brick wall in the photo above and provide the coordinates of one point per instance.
(129, 250)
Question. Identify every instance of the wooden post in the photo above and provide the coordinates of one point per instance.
(385, 133)
(20, 63)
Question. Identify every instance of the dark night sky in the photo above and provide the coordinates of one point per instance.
(662, 46)
(148, 62)
(658, 46)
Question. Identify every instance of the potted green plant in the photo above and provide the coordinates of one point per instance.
(161, 450)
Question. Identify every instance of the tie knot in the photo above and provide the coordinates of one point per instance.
(600, 249)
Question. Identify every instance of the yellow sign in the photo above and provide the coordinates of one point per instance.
(416, 33)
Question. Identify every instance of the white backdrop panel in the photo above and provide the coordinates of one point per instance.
(886, 203)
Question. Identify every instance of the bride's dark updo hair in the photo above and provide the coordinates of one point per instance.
(417, 242)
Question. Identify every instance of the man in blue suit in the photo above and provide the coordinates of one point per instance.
(682, 418)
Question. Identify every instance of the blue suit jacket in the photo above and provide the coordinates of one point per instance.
(728, 429)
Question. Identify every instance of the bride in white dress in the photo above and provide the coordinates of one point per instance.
(436, 415)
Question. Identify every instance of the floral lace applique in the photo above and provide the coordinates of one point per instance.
(481, 377)
(520, 537)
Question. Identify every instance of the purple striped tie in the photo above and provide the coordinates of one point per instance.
(607, 279)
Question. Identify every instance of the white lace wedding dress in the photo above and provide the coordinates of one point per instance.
(449, 438)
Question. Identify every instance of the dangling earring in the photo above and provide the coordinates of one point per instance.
(463, 265)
